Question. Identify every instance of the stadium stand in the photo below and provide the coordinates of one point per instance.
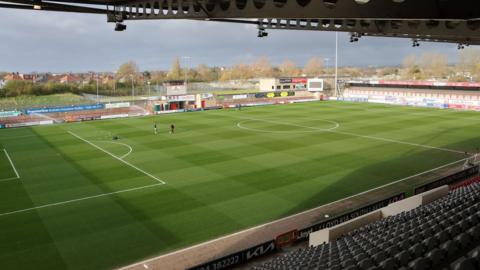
(73, 116)
(444, 234)
(20, 119)
(95, 114)
(264, 101)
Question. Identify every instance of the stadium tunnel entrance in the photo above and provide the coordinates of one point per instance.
(176, 105)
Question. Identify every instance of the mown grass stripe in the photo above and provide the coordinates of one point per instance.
(78, 200)
(11, 163)
(119, 159)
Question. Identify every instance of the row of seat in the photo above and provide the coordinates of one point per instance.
(444, 234)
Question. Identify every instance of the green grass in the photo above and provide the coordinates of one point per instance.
(6, 170)
(221, 176)
(42, 101)
(235, 92)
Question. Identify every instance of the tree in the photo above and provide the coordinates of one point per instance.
(262, 68)
(175, 72)
(241, 72)
(288, 68)
(313, 67)
(387, 71)
(434, 64)
(127, 70)
(17, 88)
(225, 75)
(409, 62)
(410, 68)
(206, 74)
(158, 76)
(469, 62)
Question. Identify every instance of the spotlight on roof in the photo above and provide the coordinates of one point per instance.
(355, 37)
(262, 33)
(120, 27)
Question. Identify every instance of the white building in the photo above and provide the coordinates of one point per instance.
(291, 84)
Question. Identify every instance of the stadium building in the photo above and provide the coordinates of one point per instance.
(444, 95)
(291, 84)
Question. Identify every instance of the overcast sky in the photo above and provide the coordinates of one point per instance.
(61, 42)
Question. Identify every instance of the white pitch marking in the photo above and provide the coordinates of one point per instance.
(291, 216)
(358, 135)
(77, 200)
(400, 142)
(117, 158)
(313, 129)
(11, 163)
(124, 144)
(8, 179)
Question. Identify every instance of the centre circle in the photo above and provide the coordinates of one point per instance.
(278, 126)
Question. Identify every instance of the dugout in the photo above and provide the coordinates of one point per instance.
(180, 102)
(176, 105)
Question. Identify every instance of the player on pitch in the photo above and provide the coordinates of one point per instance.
(172, 128)
(155, 131)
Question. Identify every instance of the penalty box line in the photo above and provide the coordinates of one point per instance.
(119, 159)
(17, 175)
(78, 200)
(160, 183)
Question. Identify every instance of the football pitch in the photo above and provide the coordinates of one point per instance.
(73, 198)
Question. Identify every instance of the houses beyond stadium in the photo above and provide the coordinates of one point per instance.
(63, 78)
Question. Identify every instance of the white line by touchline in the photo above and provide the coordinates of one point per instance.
(11, 163)
(117, 158)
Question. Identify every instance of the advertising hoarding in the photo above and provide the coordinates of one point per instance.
(66, 109)
(9, 113)
(117, 105)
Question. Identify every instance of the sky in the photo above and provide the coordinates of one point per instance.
(39, 41)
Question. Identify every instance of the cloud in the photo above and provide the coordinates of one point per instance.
(48, 41)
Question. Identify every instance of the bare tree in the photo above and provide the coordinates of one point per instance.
(434, 64)
(205, 73)
(289, 69)
(409, 65)
(237, 72)
(241, 72)
(158, 76)
(262, 68)
(313, 67)
(409, 61)
(469, 62)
